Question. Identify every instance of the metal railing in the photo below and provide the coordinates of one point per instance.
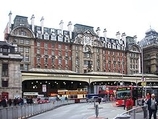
(28, 110)
(139, 112)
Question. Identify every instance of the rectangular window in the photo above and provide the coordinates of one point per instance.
(66, 61)
(66, 47)
(21, 67)
(38, 59)
(136, 66)
(53, 60)
(5, 50)
(5, 70)
(38, 51)
(77, 54)
(45, 45)
(97, 50)
(46, 60)
(27, 49)
(21, 41)
(77, 62)
(53, 45)
(85, 62)
(21, 49)
(4, 83)
(59, 46)
(27, 42)
(26, 67)
(26, 58)
(59, 53)
(77, 69)
(66, 53)
(76, 48)
(59, 61)
(53, 53)
(38, 44)
(45, 52)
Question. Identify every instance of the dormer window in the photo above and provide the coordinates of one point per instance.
(5, 50)
(53, 36)
(59, 32)
(39, 34)
(60, 38)
(66, 39)
(46, 36)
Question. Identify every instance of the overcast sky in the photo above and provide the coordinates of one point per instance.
(134, 17)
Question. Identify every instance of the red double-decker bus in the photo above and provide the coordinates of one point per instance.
(119, 93)
(123, 92)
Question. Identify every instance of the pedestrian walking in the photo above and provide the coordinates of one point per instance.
(4, 102)
(9, 102)
(129, 103)
(144, 108)
(124, 105)
(152, 106)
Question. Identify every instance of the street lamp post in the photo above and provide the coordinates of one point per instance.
(143, 78)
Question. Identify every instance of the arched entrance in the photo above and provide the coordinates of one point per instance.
(49, 88)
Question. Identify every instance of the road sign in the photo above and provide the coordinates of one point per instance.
(44, 88)
(143, 83)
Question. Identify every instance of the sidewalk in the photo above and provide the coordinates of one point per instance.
(93, 117)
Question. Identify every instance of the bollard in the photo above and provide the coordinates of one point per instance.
(96, 110)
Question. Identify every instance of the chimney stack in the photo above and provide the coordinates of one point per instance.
(70, 29)
(124, 39)
(104, 33)
(33, 22)
(42, 24)
(118, 35)
(61, 24)
(10, 21)
(98, 31)
(135, 38)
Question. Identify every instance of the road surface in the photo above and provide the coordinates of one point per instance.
(81, 111)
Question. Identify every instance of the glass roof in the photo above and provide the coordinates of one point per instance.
(104, 73)
(51, 70)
